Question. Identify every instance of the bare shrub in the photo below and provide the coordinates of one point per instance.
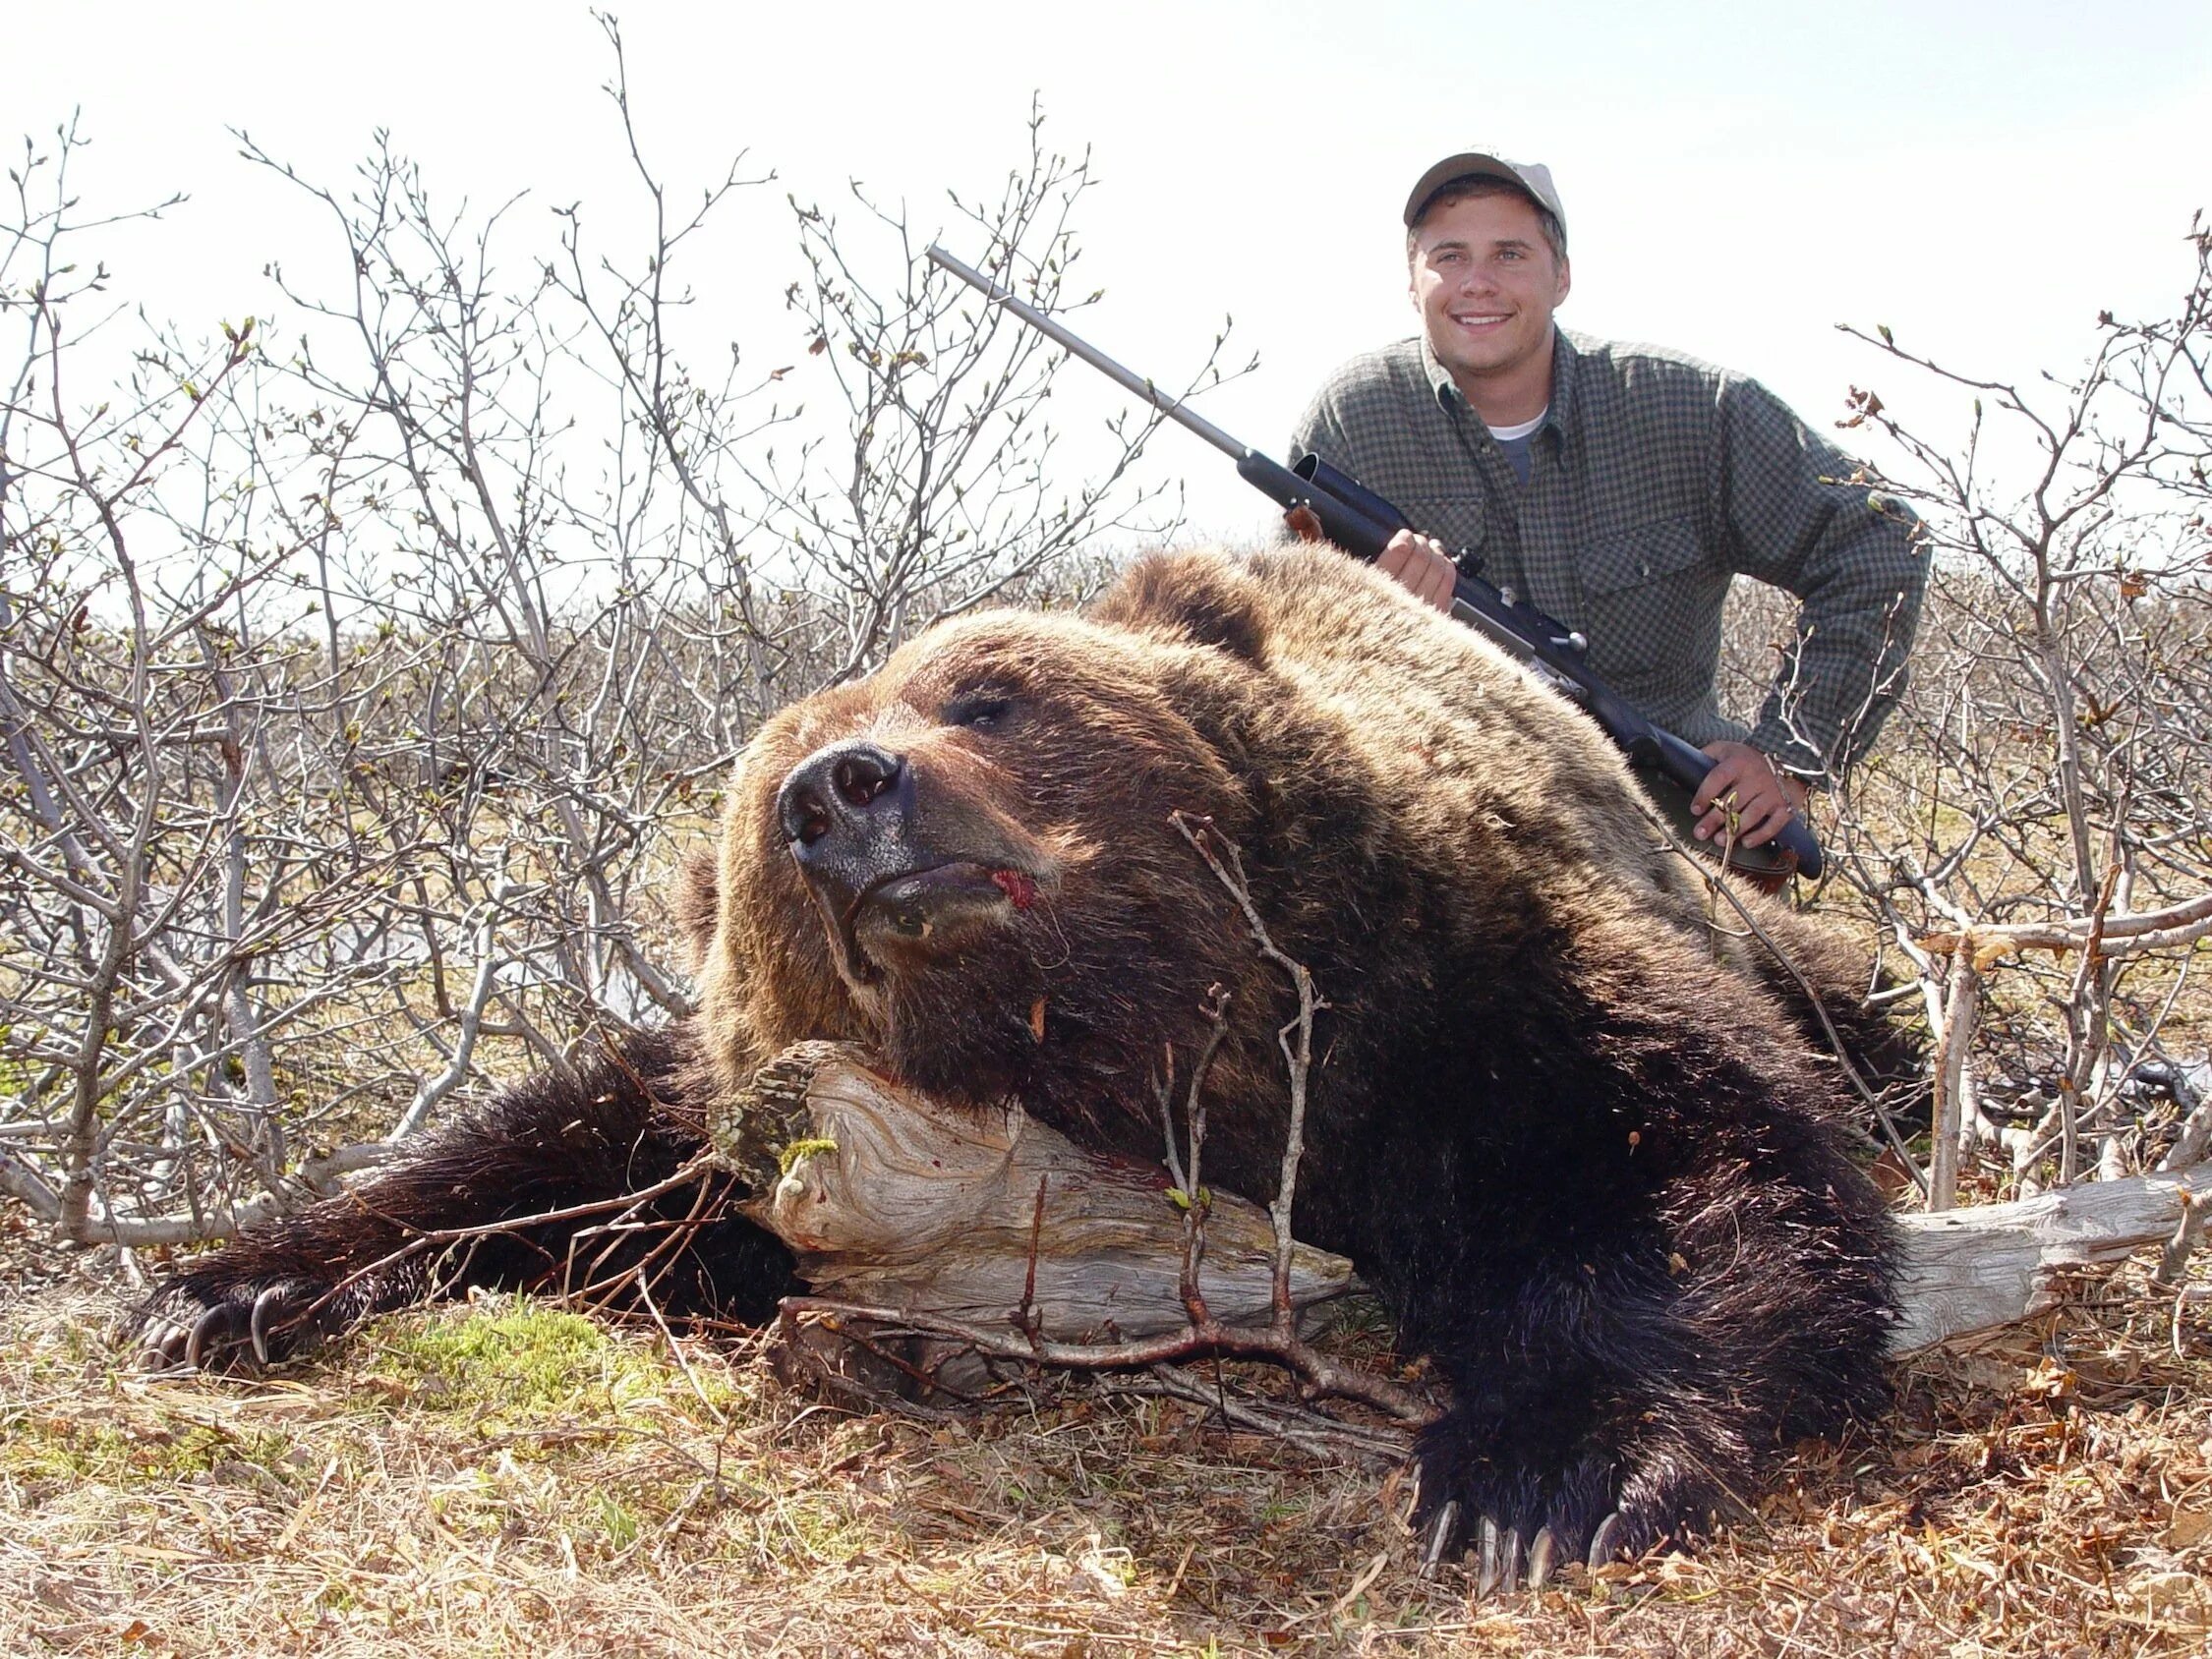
(2034, 839)
(348, 685)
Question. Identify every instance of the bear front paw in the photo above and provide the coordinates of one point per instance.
(1503, 1563)
(223, 1328)
(1523, 1514)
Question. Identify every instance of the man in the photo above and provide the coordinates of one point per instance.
(1620, 489)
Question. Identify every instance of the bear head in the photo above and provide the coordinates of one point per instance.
(969, 859)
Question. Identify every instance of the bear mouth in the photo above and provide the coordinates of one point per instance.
(925, 912)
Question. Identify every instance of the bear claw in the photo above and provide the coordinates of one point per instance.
(1540, 1559)
(1604, 1543)
(197, 1339)
(1442, 1533)
(1503, 1564)
(1498, 1560)
(257, 1322)
(206, 1327)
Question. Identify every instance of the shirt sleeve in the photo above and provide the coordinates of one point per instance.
(1791, 517)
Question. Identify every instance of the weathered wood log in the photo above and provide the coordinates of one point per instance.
(897, 1201)
(1991, 1265)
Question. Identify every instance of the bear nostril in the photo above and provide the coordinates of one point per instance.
(847, 786)
(860, 776)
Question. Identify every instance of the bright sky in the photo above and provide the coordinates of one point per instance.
(1982, 177)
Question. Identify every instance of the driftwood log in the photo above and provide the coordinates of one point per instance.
(1991, 1265)
(895, 1201)
(892, 1200)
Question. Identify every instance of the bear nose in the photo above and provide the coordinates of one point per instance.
(854, 786)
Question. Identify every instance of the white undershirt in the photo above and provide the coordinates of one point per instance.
(1507, 434)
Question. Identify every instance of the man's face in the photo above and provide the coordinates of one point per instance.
(1485, 281)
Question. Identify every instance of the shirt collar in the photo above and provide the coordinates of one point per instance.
(1564, 357)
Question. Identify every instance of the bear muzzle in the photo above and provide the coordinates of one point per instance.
(893, 879)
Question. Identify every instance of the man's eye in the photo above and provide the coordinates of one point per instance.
(979, 714)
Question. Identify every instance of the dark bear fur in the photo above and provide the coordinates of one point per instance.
(1572, 1123)
(620, 1124)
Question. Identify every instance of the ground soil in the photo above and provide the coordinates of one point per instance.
(510, 1477)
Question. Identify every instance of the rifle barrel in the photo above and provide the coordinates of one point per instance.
(1128, 378)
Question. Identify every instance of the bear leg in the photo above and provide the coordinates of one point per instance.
(1563, 1446)
(547, 1145)
(1614, 1405)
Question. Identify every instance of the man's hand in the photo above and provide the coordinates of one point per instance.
(1419, 564)
(1415, 562)
(1745, 782)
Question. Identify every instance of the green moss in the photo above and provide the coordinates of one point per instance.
(108, 1452)
(519, 1364)
(789, 1157)
(826, 1529)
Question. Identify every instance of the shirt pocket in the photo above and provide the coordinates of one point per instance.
(1651, 595)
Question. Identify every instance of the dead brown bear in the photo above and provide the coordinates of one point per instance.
(1575, 1133)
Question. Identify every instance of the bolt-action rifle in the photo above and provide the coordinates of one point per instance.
(1362, 523)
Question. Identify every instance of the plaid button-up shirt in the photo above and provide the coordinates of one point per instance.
(1656, 479)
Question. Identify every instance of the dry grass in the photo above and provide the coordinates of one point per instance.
(510, 1478)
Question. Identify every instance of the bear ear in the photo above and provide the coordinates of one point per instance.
(697, 904)
(1206, 599)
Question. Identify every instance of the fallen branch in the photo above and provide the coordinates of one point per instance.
(904, 1211)
(1309, 1431)
(913, 1215)
(1978, 1269)
(100, 1226)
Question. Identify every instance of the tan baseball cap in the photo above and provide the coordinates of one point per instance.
(1532, 176)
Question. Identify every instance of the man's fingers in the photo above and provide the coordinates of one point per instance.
(1402, 550)
(1744, 786)
(1757, 831)
(1725, 776)
(1417, 564)
(1759, 816)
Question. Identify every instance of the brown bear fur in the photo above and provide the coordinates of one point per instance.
(1571, 1126)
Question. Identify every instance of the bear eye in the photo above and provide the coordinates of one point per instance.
(979, 712)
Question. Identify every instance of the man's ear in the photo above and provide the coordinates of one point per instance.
(1566, 281)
